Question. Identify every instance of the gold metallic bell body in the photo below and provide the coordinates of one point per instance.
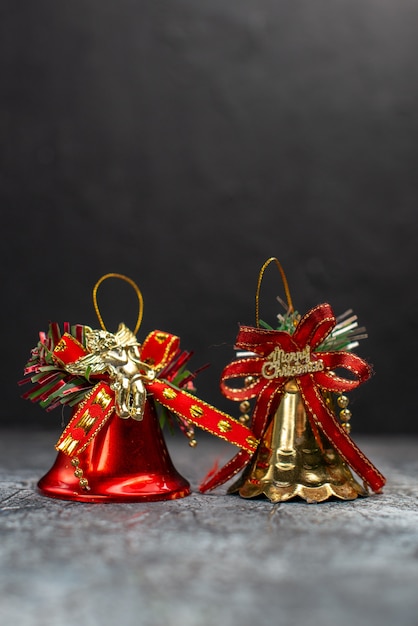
(290, 462)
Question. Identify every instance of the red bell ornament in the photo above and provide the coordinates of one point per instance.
(113, 448)
(296, 375)
(127, 461)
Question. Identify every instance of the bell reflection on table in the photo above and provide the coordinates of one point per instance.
(291, 461)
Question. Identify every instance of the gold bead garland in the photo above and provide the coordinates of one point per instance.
(190, 435)
(78, 473)
(345, 413)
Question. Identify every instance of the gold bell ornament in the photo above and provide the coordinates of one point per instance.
(297, 376)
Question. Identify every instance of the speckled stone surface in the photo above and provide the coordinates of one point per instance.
(207, 559)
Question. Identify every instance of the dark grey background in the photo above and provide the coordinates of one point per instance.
(182, 143)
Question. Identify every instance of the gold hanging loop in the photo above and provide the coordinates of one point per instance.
(136, 289)
(285, 285)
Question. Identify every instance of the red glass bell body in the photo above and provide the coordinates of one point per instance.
(127, 461)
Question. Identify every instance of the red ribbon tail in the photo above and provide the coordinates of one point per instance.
(89, 418)
(203, 415)
(264, 409)
(337, 436)
(229, 470)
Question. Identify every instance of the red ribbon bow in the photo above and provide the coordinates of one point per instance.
(281, 356)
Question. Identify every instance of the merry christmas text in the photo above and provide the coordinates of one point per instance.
(283, 364)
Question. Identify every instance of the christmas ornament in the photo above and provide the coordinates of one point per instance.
(298, 375)
(120, 390)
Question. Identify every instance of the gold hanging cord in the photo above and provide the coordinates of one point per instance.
(136, 289)
(285, 285)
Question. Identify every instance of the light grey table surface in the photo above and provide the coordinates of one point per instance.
(207, 559)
